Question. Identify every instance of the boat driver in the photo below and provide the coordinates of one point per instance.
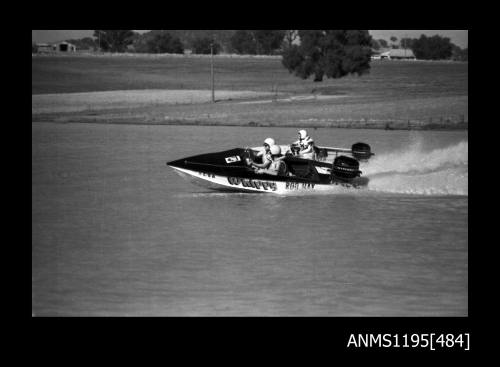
(272, 164)
(268, 143)
(305, 146)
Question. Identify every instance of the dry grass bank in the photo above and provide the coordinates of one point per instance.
(170, 89)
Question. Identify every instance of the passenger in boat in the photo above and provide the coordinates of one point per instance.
(305, 146)
(272, 165)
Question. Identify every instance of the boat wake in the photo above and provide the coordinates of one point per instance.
(415, 171)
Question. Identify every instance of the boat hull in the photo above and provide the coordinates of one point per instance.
(257, 185)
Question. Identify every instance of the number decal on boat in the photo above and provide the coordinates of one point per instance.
(233, 159)
(211, 175)
(297, 185)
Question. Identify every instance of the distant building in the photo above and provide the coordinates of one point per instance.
(398, 54)
(55, 47)
(64, 47)
(43, 47)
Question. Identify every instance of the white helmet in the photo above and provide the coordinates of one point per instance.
(302, 134)
(269, 141)
(275, 150)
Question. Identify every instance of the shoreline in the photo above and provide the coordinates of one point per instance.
(84, 53)
(387, 125)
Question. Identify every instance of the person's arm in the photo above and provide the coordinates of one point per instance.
(264, 165)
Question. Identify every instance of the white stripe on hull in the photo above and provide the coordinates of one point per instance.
(224, 183)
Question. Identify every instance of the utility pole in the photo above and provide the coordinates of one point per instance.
(212, 69)
(404, 46)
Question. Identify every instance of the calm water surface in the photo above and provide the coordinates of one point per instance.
(117, 232)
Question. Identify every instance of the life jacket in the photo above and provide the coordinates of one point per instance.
(310, 155)
(276, 168)
(266, 156)
(304, 143)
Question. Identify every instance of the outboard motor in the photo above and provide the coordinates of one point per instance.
(361, 151)
(345, 168)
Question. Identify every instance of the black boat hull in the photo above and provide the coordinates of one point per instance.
(228, 171)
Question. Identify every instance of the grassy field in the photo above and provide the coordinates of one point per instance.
(249, 90)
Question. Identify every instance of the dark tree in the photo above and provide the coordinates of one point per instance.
(464, 54)
(86, 43)
(114, 40)
(432, 48)
(375, 45)
(383, 43)
(268, 41)
(459, 54)
(406, 42)
(243, 42)
(290, 37)
(34, 48)
(330, 53)
(165, 43)
(394, 42)
(262, 42)
(202, 46)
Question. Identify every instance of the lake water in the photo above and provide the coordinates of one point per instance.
(116, 232)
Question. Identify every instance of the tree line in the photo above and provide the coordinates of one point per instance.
(250, 42)
(253, 42)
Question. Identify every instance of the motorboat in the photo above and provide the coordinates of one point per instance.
(229, 170)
